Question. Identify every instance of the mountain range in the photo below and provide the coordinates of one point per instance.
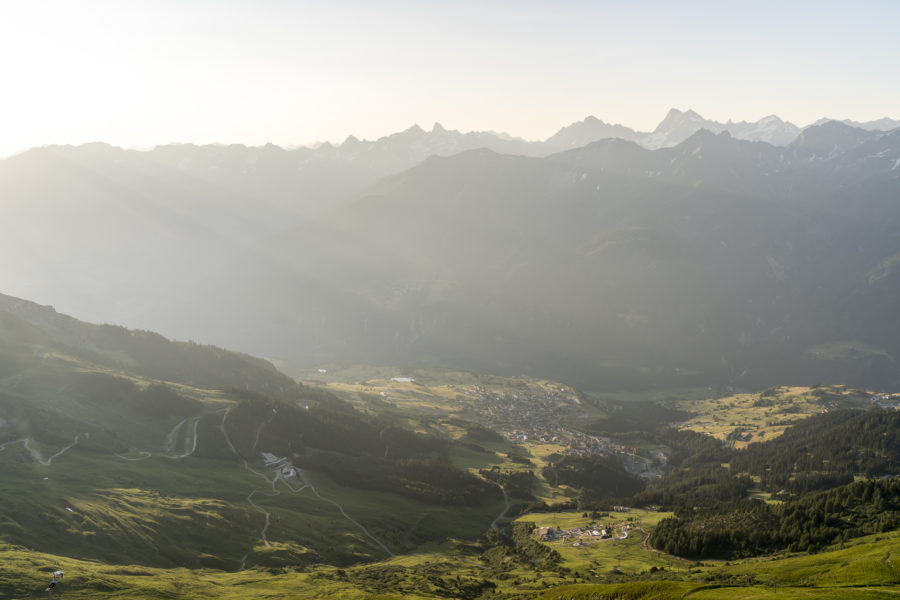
(607, 264)
(404, 149)
(611, 263)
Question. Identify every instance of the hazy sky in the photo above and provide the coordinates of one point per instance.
(140, 73)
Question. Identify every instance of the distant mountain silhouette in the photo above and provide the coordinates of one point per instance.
(678, 126)
(883, 124)
(589, 130)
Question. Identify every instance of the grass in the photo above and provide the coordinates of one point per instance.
(762, 415)
(871, 560)
(162, 512)
(865, 568)
(602, 556)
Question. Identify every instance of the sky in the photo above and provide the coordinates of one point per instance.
(139, 73)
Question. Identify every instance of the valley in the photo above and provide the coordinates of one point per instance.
(374, 301)
(365, 482)
(660, 365)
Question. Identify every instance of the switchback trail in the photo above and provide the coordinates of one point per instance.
(143, 456)
(275, 492)
(170, 439)
(37, 455)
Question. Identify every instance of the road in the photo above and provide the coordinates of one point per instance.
(306, 484)
(37, 455)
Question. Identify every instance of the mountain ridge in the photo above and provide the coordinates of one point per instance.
(486, 260)
(675, 127)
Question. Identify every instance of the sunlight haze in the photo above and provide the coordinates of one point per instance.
(138, 74)
(430, 299)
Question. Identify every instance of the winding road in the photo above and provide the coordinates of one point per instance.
(37, 455)
(169, 445)
(278, 477)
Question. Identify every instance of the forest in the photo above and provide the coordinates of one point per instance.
(753, 527)
(825, 451)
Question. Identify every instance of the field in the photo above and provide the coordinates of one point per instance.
(864, 569)
(586, 554)
(755, 417)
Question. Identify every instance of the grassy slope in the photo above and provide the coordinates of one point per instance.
(195, 511)
(865, 569)
(601, 557)
(764, 415)
(130, 489)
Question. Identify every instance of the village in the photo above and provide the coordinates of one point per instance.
(582, 536)
(541, 416)
(528, 415)
(887, 401)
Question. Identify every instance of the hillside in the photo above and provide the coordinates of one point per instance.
(148, 468)
(861, 570)
(32, 335)
(125, 447)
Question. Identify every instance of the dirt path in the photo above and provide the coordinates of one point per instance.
(645, 545)
(502, 515)
(221, 428)
(143, 456)
(37, 455)
(351, 519)
(262, 532)
(278, 477)
(169, 442)
(10, 443)
(170, 439)
(644, 537)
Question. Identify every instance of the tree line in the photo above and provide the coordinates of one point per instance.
(753, 527)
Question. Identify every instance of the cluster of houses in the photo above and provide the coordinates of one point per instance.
(532, 414)
(580, 535)
(583, 444)
(280, 465)
(887, 401)
(538, 414)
